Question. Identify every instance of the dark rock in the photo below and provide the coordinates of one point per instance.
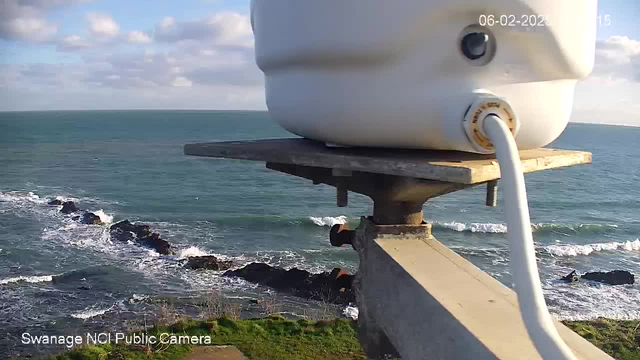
(142, 235)
(571, 277)
(332, 287)
(57, 202)
(126, 231)
(154, 242)
(616, 277)
(124, 226)
(69, 207)
(90, 218)
(208, 262)
(84, 288)
(123, 236)
(256, 301)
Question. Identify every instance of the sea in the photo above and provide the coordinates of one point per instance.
(61, 277)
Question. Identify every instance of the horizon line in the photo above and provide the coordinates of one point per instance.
(236, 110)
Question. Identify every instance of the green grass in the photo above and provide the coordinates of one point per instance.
(280, 339)
(271, 338)
(620, 339)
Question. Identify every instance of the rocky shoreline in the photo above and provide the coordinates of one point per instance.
(331, 287)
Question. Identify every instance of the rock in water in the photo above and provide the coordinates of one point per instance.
(332, 287)
(57, 202)
(126, 231)
(571, 277)
(90, 218)
(142, 235)
(616, 277)
(125, 226)
(154, 242)
(69, 207)
(208, 262)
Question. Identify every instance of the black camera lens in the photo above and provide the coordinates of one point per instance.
(474, 45)
(477, 45)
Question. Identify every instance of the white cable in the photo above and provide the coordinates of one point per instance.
(522, 256)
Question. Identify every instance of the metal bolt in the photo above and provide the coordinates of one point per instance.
(492, 193)
(342, 193)
(342, 196)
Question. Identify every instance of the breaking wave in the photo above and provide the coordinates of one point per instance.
(105, 218)
(351, 312)
(328, 220)
(192, 251)
(28, 279)
(473, 227)
(89, 313)
(557, 250)
(491, 228)
(576, 249)
(21, 197)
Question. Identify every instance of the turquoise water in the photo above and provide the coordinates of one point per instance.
(57, 275)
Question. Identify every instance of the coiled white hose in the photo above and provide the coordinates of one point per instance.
(522, 256)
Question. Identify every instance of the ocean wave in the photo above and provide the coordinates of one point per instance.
(90, 312)
(135, 298)
(82, 236)
(473, 227)
(577, 303)
(328, 220)
(491, 228)
(351, 312)
(28, 279)
(105, 218)
(589, 302)
(192, 251)
(557, 250)
(21, 197)
(586, 249)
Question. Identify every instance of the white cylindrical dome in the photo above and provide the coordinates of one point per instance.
(403, 73)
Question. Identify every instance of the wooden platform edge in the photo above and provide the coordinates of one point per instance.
(463, 168)
(558, 159)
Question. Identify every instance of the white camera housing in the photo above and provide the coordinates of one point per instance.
(381, 73)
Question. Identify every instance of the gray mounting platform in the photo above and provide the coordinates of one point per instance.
(445, 166)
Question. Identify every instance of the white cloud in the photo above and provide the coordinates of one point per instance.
(138, 37)
(27, 28)
(226, 28)
(620, 49)
(181, 81)
(73, 42)
(167, 22)
(26, 19)
(618, 57)
(102, 25)
(609, 95)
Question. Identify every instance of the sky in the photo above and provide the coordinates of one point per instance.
(198, 54)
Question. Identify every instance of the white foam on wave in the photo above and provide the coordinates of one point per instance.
(192, 251)
(328, 220)
(89, 313)
(351, 312)
(474, 227)
(576, 249)
(491, 228)
(77, 235)
(105, 218)
(135, 298)
(28, 279)
(21, 197)
(589, 302)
